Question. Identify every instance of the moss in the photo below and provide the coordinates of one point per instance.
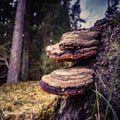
(24, 101)
(116, 45)
(110, 56)
(115, 20)
(114, 49)
(46, 114)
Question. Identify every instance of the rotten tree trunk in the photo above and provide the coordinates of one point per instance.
(15, 58)
(80, 107)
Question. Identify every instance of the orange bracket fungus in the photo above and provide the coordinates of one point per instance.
(69, 81)
(73, 80)
(74, 45)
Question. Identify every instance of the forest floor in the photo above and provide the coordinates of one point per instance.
(25, 101)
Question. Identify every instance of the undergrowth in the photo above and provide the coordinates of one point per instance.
(107, 100)
(25, 101)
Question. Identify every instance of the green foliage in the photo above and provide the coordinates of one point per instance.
(116, 45)
(115, 49)
(57, 25)
(113, 111)
(112, 88)
(48, 64)
(95, 106)
(4, 56)
(49, 25)
(46, 27)
(109, 96)
(3, 51)
(115, 20)
(5, 33)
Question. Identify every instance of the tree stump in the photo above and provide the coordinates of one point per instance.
(80, 107)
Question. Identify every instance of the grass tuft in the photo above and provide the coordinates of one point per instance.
(112, 87)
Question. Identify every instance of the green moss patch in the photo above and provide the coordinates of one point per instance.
(25, 101)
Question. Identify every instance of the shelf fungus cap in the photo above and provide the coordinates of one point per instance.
(69, 81)
(80, 34)
(54, 52)
(79, 39)
(74, 45)
(77, 44)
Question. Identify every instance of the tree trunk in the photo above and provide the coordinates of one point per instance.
(25, 54)
(67, 16)
(15, 57)
(45, 36)
(108, 1)
(81, 107)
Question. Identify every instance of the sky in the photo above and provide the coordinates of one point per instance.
(91, 11)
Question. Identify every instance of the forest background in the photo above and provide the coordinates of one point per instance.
(44, 24)
(26, 28)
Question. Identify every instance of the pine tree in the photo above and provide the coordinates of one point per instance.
(15, 57)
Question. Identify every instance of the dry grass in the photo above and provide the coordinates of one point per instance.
(25, 101)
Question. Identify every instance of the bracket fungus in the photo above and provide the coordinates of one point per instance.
(74, 45)
(69, 81)
(54, 52)
(80, 34)
(73, 80)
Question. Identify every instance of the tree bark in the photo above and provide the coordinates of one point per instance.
(15, 57)
(81, 107)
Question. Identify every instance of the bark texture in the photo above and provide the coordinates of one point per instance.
(15, 58)
(80, 107)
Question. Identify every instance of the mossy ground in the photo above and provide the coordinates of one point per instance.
(25, 101)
